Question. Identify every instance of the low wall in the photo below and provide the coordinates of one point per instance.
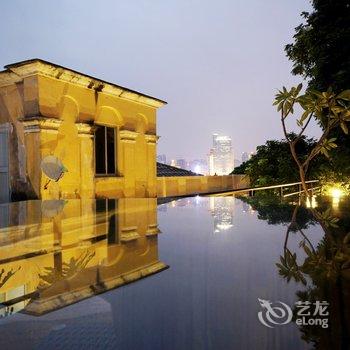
(189, 185)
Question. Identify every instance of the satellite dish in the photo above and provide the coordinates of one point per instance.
(53, 168)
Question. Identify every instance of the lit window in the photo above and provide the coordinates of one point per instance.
(105, 144)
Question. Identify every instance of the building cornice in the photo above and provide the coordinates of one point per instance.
(129, 234)
(153, 230)
(38, 123)
(85, 129)
(128, 135)
(151, 139)
(35, 124)
(17, 71)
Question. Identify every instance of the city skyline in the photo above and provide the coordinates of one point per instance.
(191, 156)
(221, 158)
(201, 162)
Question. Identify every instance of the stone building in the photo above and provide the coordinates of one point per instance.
(104, 134)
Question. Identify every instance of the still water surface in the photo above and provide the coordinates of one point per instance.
(131, 274)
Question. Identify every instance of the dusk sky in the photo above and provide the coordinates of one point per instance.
(216, 63)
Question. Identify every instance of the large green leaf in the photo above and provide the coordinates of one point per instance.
(344, 95)
(344, 128)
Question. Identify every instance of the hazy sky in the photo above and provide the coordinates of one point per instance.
(217, 63)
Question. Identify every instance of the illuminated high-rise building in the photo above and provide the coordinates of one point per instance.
(161, 158)
(237, 163)
(181, 163)
(222, 162)
(199, 166)
(211, 162)
(245, 157)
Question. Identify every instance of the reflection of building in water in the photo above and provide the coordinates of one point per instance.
(55, 253)
(192, 202)
(247, 208)
(222, 211)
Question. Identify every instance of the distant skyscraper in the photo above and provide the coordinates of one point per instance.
(222, 162)
(251, 154)
(211, 162)
(199, 166)
(161, 158)
(245, 157)
(237, 163)
(181, 163)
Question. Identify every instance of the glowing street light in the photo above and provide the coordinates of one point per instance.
(336, 192)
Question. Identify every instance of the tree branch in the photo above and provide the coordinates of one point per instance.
(305, 126)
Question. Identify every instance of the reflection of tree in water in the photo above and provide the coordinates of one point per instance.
(324, 269)
(67, 270)
(270, 208)
(3, 279)
(328, 267)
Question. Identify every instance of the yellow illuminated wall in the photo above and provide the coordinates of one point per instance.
(51, 110)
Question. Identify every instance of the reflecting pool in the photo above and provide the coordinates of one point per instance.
(195, 273)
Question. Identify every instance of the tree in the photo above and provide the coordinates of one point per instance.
(321, 54)
(329, 109)
(321, 48)
(274, 164)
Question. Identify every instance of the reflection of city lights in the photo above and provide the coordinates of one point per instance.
(312, 203)
(212, 203)
(247, 208)
(222, 211)
(224, 227)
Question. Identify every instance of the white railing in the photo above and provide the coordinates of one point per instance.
(253, 189)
